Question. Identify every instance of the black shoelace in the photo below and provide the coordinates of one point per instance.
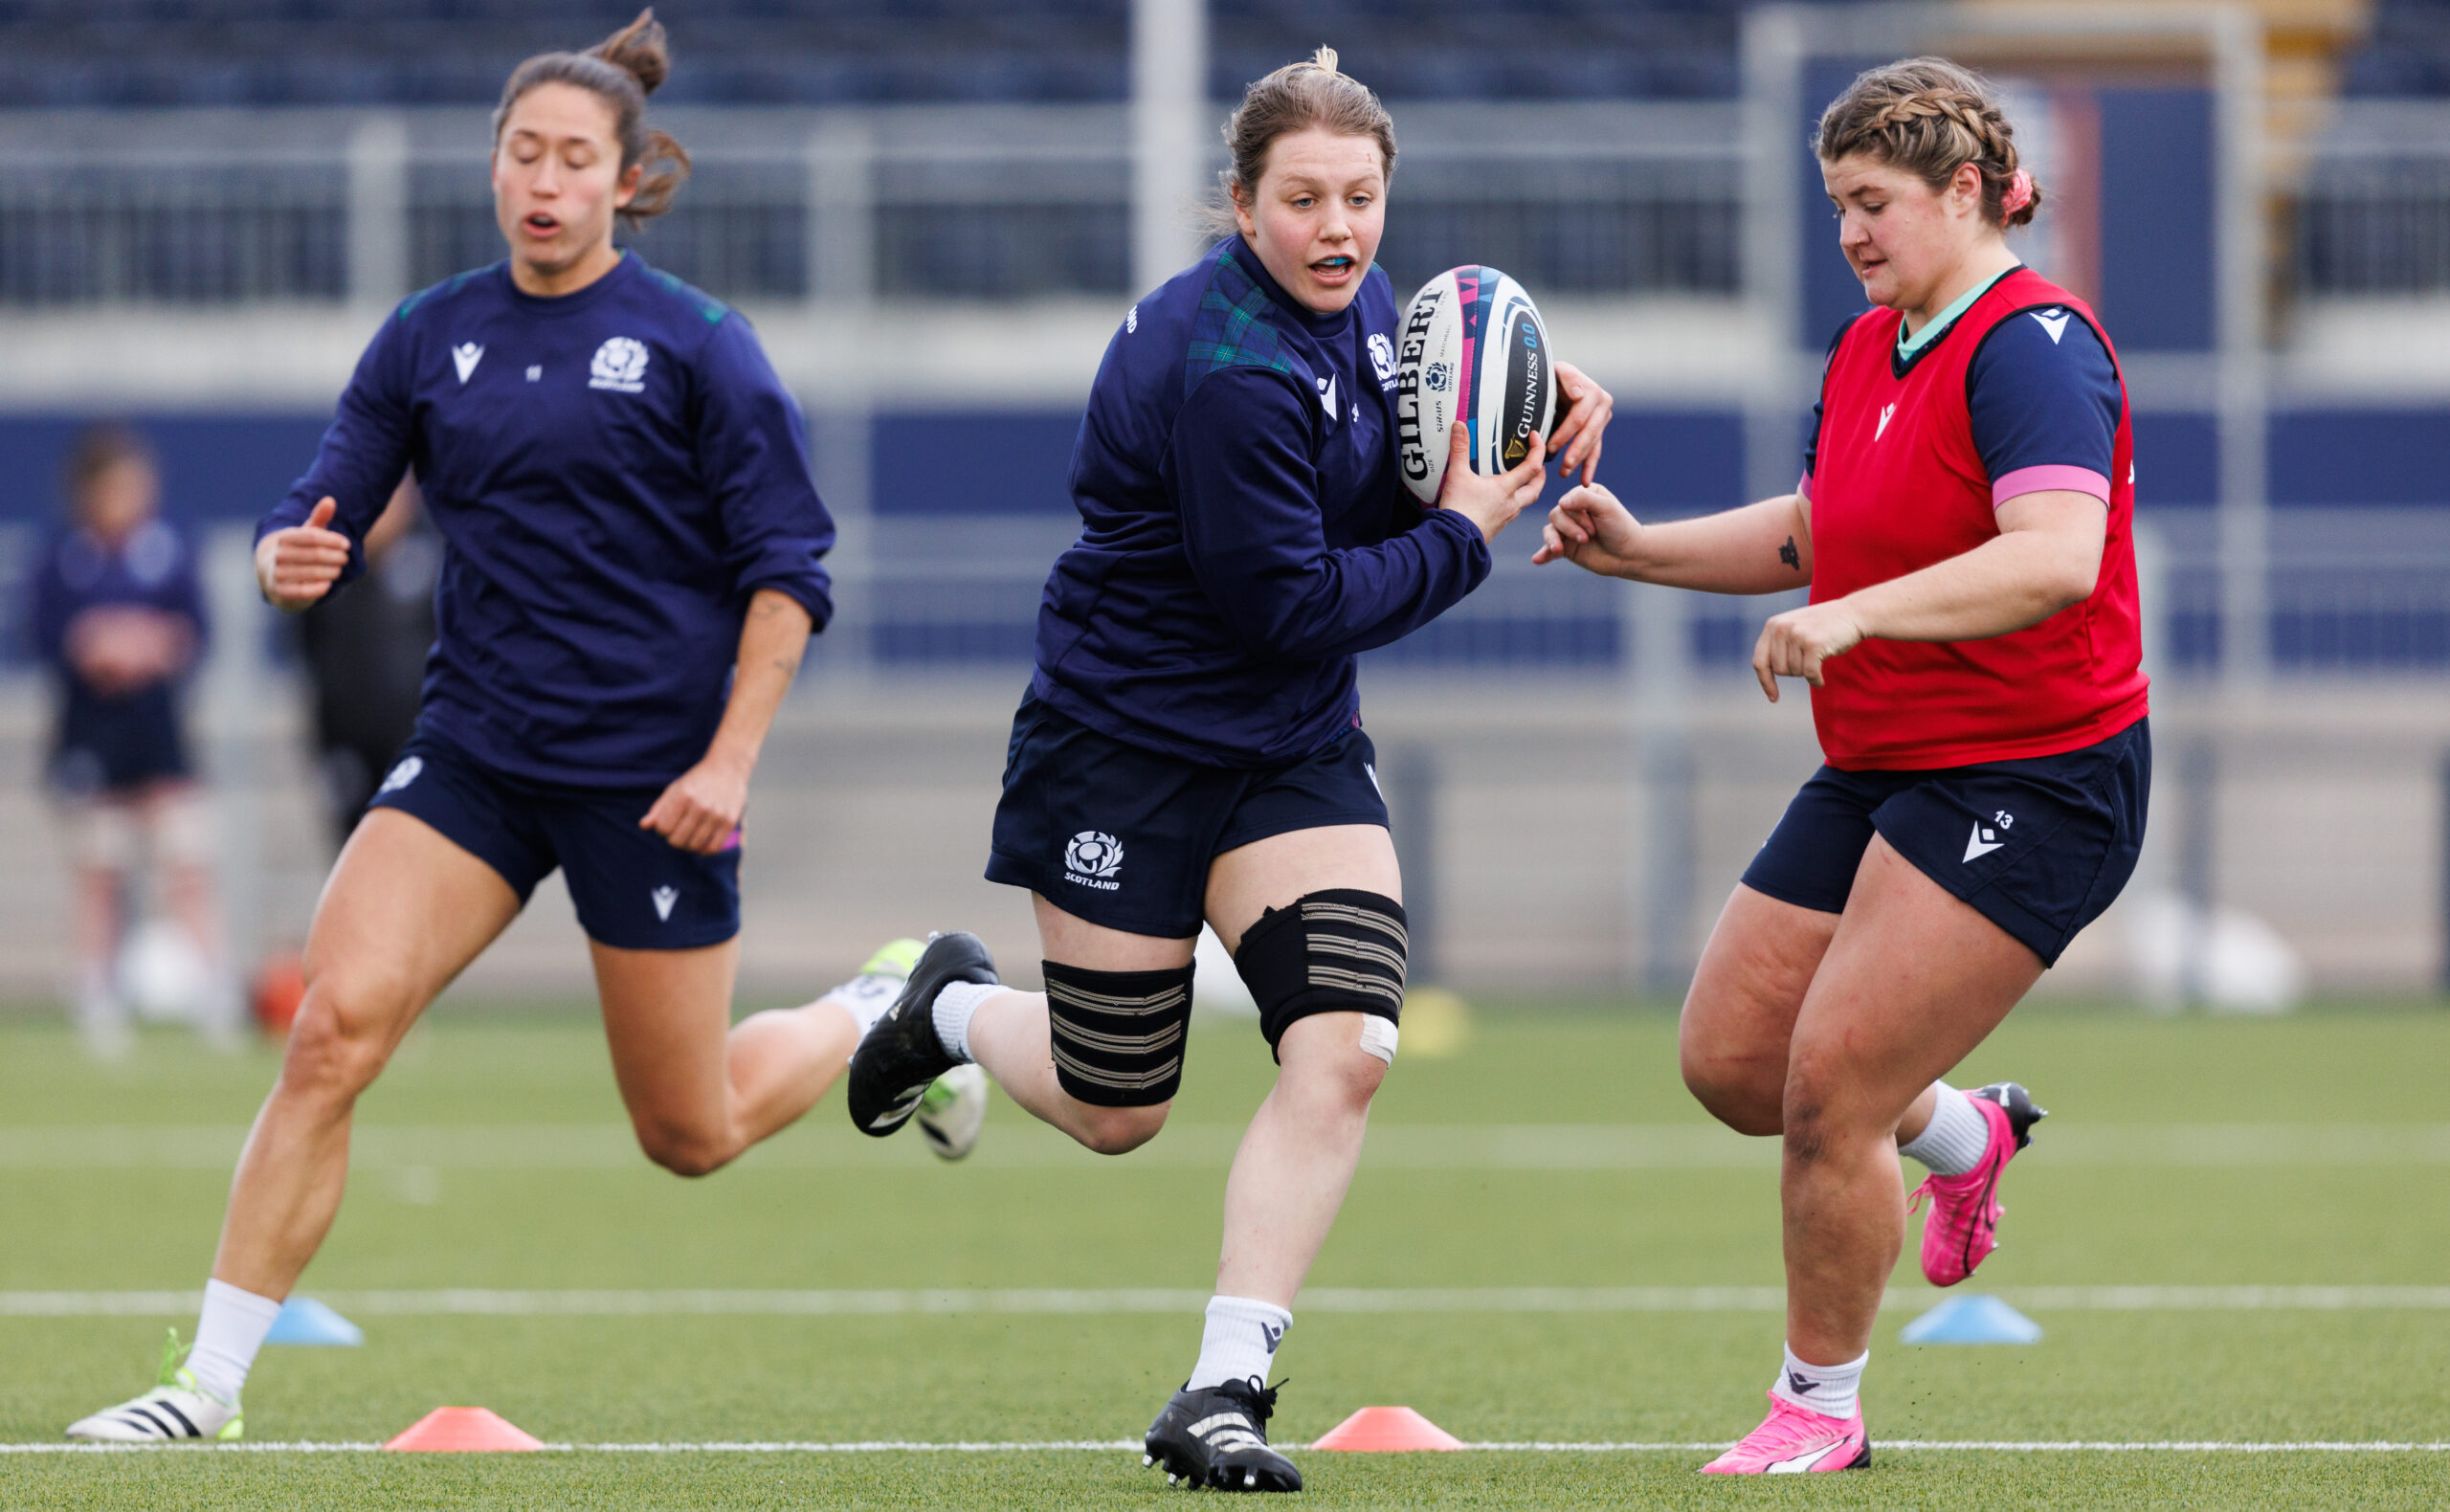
(1260, 1397)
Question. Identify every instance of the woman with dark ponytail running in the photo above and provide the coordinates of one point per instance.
(632, 574)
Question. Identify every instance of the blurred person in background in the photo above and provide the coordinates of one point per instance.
(364, 653)
(118, 619)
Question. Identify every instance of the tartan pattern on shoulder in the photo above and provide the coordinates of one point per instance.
(1230, 328)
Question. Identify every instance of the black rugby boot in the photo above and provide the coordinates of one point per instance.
(2022, 1114)
(1217, 1437)
(902, 1057)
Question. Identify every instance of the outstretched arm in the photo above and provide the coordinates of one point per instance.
(1759, 548)
(704, 805)
(2047, 557)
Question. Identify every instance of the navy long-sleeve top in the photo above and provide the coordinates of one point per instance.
(107, 741)
(1244, 533)
(615, 472)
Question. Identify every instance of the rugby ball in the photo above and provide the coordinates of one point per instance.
(1471, 351)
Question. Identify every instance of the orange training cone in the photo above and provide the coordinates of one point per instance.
(1386, 1430)
(462, 1428)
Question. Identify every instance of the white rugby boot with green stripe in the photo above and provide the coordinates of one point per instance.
(866, 996)
(177, 1410)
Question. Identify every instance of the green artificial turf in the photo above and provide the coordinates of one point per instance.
(493, 1156)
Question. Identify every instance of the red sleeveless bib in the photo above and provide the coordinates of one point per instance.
(1898, 485)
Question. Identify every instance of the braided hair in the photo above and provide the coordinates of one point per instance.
(1930, 116)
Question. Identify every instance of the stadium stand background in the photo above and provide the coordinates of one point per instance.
(2407, 55)
(210, 205)
(114, 53)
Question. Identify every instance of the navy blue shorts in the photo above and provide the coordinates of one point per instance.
(633, 889)
(118, 745)
(1123, 836)
(2038, 846)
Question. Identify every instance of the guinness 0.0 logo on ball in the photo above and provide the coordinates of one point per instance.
(1471, 351)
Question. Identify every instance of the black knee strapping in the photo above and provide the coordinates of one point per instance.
(1331, 952)
(1118, 1036)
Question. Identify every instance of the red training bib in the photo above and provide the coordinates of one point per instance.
(1898, 485)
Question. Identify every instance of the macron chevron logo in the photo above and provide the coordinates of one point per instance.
(1886, 411)
(465, 356)
(2055, 321)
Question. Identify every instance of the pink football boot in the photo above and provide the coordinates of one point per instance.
(1964, 1225)
(1793, 1440)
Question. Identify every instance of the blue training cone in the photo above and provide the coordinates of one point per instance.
(1977, 1319)
(304, 1319)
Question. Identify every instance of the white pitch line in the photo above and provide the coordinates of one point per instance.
(892, 1446)
(426, 1149)
(2178, 1446)
(477, 1302)
(2102, 1446)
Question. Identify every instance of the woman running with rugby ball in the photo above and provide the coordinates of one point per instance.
(1190, 746)
(625, 492)
(1973, 648)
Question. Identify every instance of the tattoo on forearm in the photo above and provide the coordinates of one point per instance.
(1789, 555)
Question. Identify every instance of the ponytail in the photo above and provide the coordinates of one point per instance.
(622, 70)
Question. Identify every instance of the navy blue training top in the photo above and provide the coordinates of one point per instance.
(2041, 392)
(615, 472)
(1244, 532)
(111, 742)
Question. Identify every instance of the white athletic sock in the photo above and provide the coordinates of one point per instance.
(865, 998)
(1952, 1143)
(1829, 1389)
(1240, 1340)
(954, 1006)
(226, 1336)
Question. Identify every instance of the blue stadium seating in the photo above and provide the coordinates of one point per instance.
(2408, 53)
(135, 53)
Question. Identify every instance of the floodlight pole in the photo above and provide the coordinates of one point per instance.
(839, 310)
(1168, 116)
(1663, 753)
(2236, 43)
(378, 213)
(233, 699)
(1774, 46)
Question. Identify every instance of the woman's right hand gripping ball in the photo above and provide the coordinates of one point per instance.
(297, 566)
(1490, 503)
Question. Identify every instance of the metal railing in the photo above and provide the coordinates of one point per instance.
(1008, 203)
(968, 203)
(201, 207)
(2374, 210)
